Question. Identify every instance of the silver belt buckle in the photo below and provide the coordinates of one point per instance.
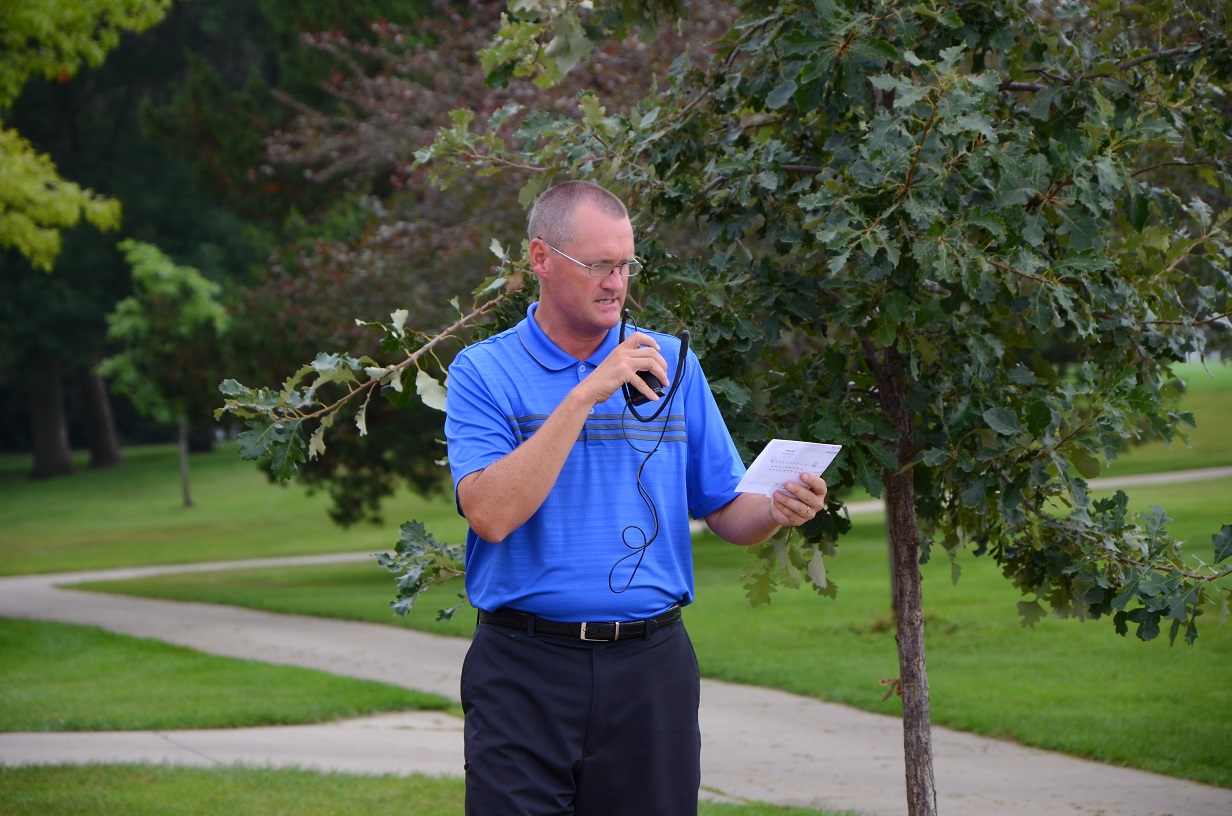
(600, 640)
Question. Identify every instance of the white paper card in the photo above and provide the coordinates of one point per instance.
(783, 461)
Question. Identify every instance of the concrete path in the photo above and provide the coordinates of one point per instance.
(758, 744)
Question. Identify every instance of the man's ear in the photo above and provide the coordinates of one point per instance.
(538, 254)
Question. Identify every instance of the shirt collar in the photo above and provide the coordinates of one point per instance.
(551, 356)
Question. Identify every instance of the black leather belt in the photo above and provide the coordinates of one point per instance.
(599, 631)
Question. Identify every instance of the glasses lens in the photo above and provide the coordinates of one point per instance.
(628, 269)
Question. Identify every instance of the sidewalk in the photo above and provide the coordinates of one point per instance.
(758, 744)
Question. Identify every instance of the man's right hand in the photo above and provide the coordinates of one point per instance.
(638, 352)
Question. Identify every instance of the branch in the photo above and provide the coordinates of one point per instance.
(443, 335)
(1133, 63)
(915, 160)
(1007, 268)
(1214, 319)
(1015, 85)
(1204, 322)
(285, 412)
(477, 157)
(1009, 85)
(1143, 170)
(712, 185)
(1174, 570)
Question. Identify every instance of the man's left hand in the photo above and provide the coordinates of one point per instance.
(801, 502)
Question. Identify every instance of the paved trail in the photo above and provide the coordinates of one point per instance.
(759, 744)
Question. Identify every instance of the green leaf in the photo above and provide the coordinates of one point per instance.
(420, 563)
(973, 495)
(429, 390)
(1085, 233)
(1122, 600)
(1003, 421)
(898, 306)
(234, 388)
(735, 393)
(817, 569)
(414, 538)
(447, 614)
(569, 45)
(1021, 375)
(758, 577)
(1031, 613)
(1084, 462)
(1148, 623)
(1223, 543)
(286, 457)
(837, 263)
(278, 442)
(316, 443)
(767, 180)
(781, 95)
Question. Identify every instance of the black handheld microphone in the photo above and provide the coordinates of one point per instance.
(634, 397)
(637, 397)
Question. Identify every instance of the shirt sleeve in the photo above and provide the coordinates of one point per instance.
(715, 467)
(478, 428)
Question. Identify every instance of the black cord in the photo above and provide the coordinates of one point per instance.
(631, 395)
(639, 550)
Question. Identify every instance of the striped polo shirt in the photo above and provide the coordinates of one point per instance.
(583, 554)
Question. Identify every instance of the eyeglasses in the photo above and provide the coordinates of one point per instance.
(601, 270)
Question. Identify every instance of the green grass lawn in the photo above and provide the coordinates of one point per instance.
(133, 516)
(143, 790)
(57, 677)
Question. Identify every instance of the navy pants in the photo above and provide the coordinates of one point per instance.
(557, 726)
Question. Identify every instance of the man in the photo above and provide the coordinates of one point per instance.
(581, 687)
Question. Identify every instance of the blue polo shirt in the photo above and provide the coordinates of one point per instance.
(580, 556)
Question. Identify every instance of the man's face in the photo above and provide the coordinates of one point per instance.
(589, 305)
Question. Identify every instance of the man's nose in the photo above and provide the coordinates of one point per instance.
(614, 281)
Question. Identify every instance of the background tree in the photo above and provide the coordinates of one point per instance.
(171, 125)
(902, 204)
(169, 330)
(90, 124)
(54, 42)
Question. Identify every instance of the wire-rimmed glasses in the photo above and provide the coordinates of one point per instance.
(601, 270)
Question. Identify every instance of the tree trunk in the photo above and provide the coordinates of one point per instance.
(904, 533)
(48, 428)
(104, 441)
(909, 615)
(188, 502)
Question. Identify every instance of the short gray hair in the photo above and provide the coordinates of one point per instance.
(551, 218)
